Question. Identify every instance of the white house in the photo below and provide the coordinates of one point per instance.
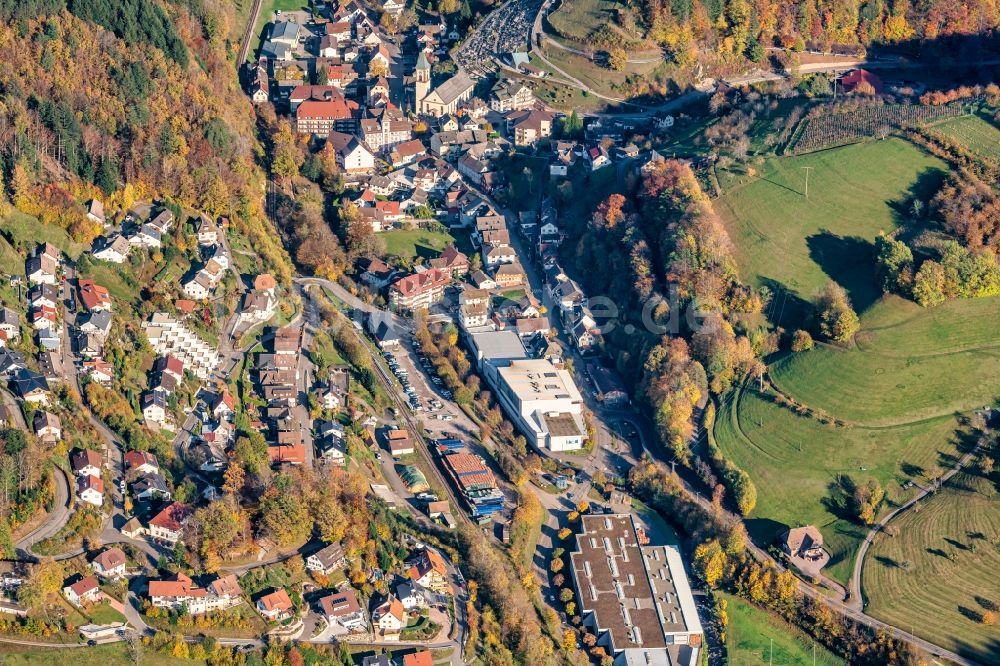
(168, 524)
(86, 462)
(328, 559)
(275, 605)
(115, 249)
(83, 591)
(90, 489)
(390, 618)
(109, 564)
(353, 155)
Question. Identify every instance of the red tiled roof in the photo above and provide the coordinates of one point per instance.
(181, 586)
(388, 207)
(295, 454)
(94, 295)
(172, 516)
(276, 601)
(84, 585)
(264, 281)
(134, 459)
(337, 109)
(422, 658)
(851, 80)
(421, 282)
(111, 558)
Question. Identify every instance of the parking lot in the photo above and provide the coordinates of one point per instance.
(424, 393)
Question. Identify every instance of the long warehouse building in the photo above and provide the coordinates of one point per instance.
(635, 597)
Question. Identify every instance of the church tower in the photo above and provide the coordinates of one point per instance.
(421, 81)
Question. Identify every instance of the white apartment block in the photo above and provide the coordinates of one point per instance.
(168, 335)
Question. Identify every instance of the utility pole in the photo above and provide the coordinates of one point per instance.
(770, 657)
(807, 170)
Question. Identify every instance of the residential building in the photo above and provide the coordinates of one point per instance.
(180, 591)
(803, 542)
(208, 231)
(151, 485)
(83, 591)
(275, 605)
(429, 570)
(418, 658)
(389, 618)
(325, 116)
(169, 523)
(90, 489)
(114, 249)
(527, 126)
(85, 462)
(154, 408)
(494, 255)
(168, 335)
(99, 370)
(93, 296)
(420, 290)
(328, 559)
(343, 608)
(511, 95)
(47, 426)
(95, 211)
(388, 130)
(27, 384)
(41, 269)
(635, 597)
(510, 275)
(451, 261)
(109, 564)
(352, 154)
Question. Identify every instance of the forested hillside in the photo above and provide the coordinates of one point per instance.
(736, 29)
(125, 100)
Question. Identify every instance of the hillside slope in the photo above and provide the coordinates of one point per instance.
(127, 108)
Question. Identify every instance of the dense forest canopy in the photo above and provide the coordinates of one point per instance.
(736, 29)
(127, 101)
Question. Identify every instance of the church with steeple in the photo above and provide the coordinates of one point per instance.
(441, 100)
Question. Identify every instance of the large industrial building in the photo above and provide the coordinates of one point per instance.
(543, 402)
(635, 597)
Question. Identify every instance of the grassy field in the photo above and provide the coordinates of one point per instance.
(102, 655)
(909, 364)
(25, 230)
(412, 243)
(795, 459)
(975, 133)
(751, 630)
(912, 582)
(595, 76)
(104, 614)
(852, 192)
(576, 19)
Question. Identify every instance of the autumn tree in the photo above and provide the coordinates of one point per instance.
(836, 318)
(617, 59)
(801, 341)
(894, 260)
